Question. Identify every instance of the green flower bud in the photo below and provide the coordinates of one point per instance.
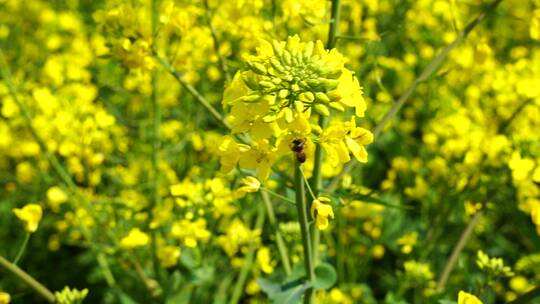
(278, 49)
(314, 83)
(251, 98)
(250, 81)
(287, 58)
(288, 114)
(332, 73)
(269, 118)
(316, 129)
(309, 96)
(308, 51)
(258, 68)
(334, 96)
(276, 80)
(277, 65)
(295, 87)
(322, 109)
(320, 96)
(266, 84)
(283, 93)
(329, 84)
(299, 106)
(336, 105)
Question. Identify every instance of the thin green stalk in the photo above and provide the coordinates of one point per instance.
(431, 68)
(316, 181)
(54, 162)
(25, 277)
(250, 257)
(311, 193)
(451, 262)
(301, 207)
(284, 198)
(22, 249)
(217, 48)
(200, 99)
(333, 31)
(156, 146)
(282, 247)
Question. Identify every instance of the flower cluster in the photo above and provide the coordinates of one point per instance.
(273, 99)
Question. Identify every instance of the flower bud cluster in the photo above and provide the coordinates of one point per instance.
(273, 98)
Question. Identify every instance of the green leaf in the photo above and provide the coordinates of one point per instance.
(325, 276)
(290, 296)
(270, 288)
(446, 302)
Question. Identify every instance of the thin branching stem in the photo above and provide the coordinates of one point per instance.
(301, 208)
(451, 262)
(282, 247)
(28, 279)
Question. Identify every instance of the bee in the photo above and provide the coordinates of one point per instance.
(298, 146)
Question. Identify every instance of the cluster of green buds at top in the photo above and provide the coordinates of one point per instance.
(272, 100)
(297, 77)
(70, 296)
(494, 267)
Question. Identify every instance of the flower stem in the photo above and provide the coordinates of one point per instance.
(156, 146)
(200, 99)
(22, 249)
(304, 228)
(250, 257)
(25, 277)
(282, 248)
(451, 262)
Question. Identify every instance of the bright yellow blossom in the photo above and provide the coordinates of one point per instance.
(30, 215)
(467, 298)
(264, 260)
(249, 184)
(56, 196)
(5, 298)
(321, 212)
(168, 255)
(135, 238)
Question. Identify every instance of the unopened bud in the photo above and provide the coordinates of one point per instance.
(299, 106)
(320, 96)
(322, 109)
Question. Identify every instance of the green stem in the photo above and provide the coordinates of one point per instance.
(25, 277)
(156, 146)
(219, 118)
(282, 248)
(304, 228)
(333, 31)
(22, 249)
(217, 48)
(451, 262)
(311, 193)
(284, 198)
(250, 257)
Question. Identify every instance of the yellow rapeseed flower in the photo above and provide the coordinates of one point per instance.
(30, 215)
(467, 298)
(135, 238)
(5, 298)
(321, 212)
